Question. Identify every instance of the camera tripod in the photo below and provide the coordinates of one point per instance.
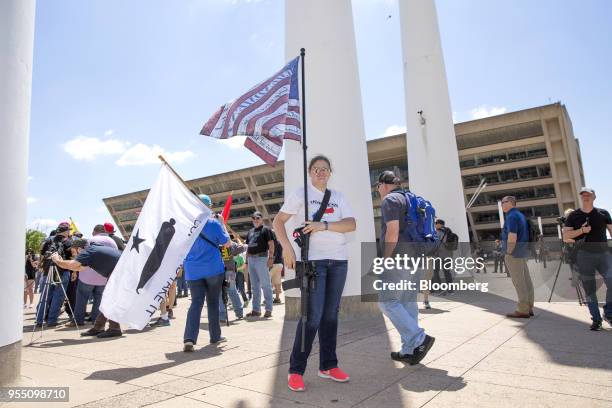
(574, 277)
(52, 278)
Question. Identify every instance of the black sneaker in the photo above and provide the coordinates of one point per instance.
(596, 326)
(91, 332)
(398, 356)
(277, 301)
(420, 352)
(109, 333)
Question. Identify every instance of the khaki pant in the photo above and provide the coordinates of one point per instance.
(519, 272)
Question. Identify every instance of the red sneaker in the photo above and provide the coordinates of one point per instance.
(335, 374)
(296, 382)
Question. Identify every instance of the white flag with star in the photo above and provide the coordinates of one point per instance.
(168, 224)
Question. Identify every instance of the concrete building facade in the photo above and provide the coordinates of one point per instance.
(531, 154)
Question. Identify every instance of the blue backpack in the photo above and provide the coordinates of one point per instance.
(419, 219)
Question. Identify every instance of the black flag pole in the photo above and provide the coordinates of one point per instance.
(307, 272)
(304, 146)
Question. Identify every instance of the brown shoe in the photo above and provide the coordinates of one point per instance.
(253, 314)
(518, 315)
(267, 314)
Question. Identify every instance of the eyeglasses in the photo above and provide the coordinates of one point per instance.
(321, 170)
(256, 218)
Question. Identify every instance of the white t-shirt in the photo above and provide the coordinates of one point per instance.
(323, 244)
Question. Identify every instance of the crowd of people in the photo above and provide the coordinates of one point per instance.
(225, 272)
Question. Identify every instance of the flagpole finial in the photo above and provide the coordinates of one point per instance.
(302, 51)
(160, 157)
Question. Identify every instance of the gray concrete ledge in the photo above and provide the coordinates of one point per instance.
(351, 307)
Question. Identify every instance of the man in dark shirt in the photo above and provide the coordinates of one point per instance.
(400, 306)
(260, 257)
(588, 226)
(54, 295)
(110, 230)
(515, 237)
(103, 260)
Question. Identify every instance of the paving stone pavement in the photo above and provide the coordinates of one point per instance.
(480, 359)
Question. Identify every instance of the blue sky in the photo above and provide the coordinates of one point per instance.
(116, 82)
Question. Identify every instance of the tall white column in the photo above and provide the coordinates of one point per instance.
(334, 117)
(16, 49)
(433, 163)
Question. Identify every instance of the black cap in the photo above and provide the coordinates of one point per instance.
(388, 177)
(440, 221)
(62, 228)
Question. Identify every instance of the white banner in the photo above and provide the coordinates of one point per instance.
(170, 221)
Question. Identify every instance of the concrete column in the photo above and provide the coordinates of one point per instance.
(16, 48)
(433, 163)
(334, 122)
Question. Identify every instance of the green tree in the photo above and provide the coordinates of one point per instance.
(34, 239)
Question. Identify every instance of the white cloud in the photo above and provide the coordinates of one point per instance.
(102, 209)
(43, 224)
(89, 148)
(30, 178)
(32, 200)
(484, 111)
(394, 130)
(455, 116)
(142, 155)
(236, 142)
(109, 133)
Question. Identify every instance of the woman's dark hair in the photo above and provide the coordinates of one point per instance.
(316, 159)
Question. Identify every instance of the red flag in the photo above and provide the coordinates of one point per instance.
(226, 210)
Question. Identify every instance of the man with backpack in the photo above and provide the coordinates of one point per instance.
(515, 239)
(398, 226)
(447, 244)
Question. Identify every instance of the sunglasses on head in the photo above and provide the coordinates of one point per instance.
(256, 218)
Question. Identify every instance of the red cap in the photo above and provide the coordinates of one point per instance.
(108, 227)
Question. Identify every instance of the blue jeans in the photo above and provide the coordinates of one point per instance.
(260, 279)
(181, 286)
(84, 292)
(588, 263)
(323, 306)
(55, 298)
(234, 297)
(201, 289)
(400, 306)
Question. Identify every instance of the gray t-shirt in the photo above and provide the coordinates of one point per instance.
(393, 207)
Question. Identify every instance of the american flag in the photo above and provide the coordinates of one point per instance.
(267, 114)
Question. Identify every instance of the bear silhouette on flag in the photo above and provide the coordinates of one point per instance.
(166, 232)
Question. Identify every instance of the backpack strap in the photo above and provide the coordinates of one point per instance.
(319, 214)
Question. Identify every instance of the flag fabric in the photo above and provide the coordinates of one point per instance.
(73, 227)
(267, 114)
(168, 224)
(226, 210)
